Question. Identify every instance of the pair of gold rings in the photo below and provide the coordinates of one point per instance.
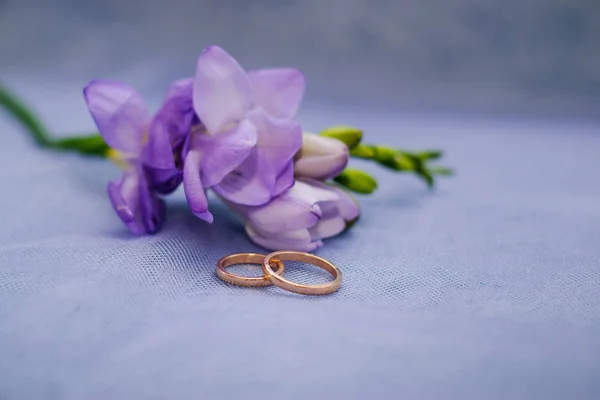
(275, 276)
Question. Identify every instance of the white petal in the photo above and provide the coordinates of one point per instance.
(328, 227)
(294, 240)
(320, 157)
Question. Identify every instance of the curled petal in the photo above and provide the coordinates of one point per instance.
(222, 92)
(123, 196)
(134, 203)
(345, 205)
(225, 152)
(321, 157)
(120, 114)
(279, 91)
(299, 240)
(193, 188)
(251, 184)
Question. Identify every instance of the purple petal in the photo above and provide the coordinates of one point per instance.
(154, 209)
(162, 158)
(125, 205)
(193, 188)
(180, 88)
(134, 203)
(163, 181)
(158, 152)
(294, 240)
(321, 157)
(222, 92)
(347, 206)
(285, 213)
(226, 151)
(285, 180)
(278, 139)
(278, 91)
(305, 189)
(169, 129)
(251, 184)
(177, 114)
(120, 114)
(162, 155)
(297, 208)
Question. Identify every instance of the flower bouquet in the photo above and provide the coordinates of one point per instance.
(232, 132)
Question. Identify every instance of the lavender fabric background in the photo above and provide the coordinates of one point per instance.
(487, 287)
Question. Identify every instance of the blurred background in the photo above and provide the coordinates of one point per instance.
(537, 58)
(484, 288)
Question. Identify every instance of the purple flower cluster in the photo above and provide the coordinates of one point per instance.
(233, 132)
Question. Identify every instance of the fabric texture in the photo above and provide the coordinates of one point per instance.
(486, 287)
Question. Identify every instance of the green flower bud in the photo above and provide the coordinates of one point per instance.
(385, 155)
(350, 136)
(357, 181)
(363, 151)
(393, 159)
(402, 162)
(429, 155)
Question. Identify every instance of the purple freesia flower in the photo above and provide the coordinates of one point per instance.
(299, 218)
(244, 139)
(123, 121)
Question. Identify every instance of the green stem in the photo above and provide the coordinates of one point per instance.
(24, 116)
(92, 145)
(87, 145)
(403, 161)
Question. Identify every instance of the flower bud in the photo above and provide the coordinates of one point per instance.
(346, 134)
(363, 151)
(320, 157)
(357, 181)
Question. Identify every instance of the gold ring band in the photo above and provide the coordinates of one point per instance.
(246, 258)
(283, 283)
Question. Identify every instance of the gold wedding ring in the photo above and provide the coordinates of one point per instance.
(283, 283)
(275, 276)
(246, 258)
